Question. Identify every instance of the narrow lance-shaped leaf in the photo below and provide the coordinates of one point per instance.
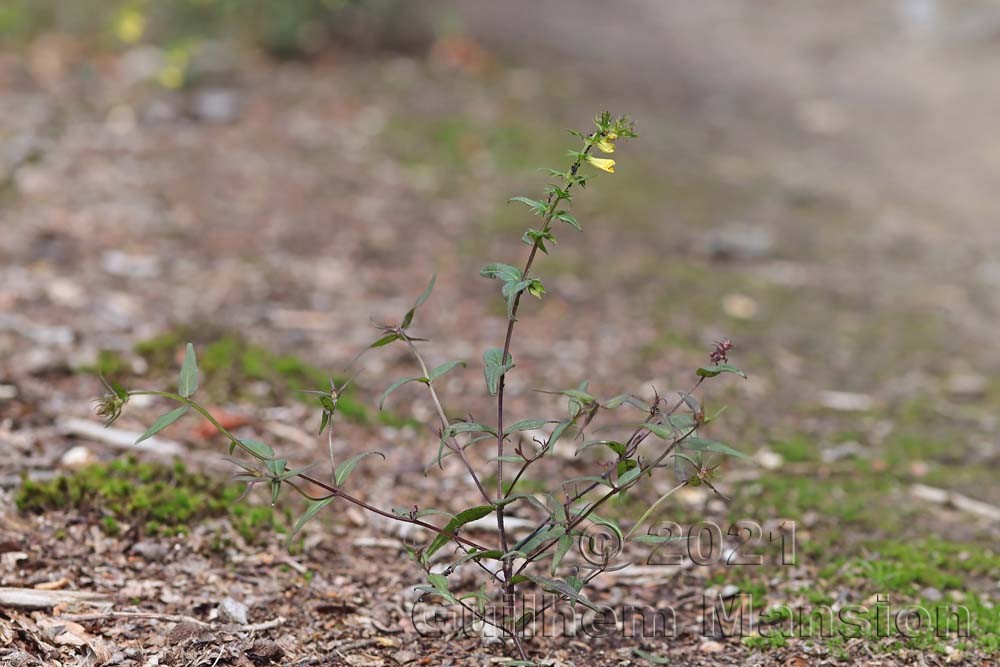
(459, 520)
(564, 588)
(504, 272)
(705, 445)
(408, 318)
(385, 340)
(525, 425)
(314, 507)
(188, 382)
(257, 448)
(495, 367)
(438, 371)
(394, 386)
(163, 422)
(537, 207)
(347, 467)
(712, 371)
(565, 543)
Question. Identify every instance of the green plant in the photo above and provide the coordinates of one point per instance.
(666, 437)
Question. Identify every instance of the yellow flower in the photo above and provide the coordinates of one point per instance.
(606, 146)
(602, 163)
(129, 26)
(612, 136)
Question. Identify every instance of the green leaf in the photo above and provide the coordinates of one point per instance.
(257, 448)
(495, 368)
(475, 554)
(557, 433)
(629, 476)
(163, 422)
(537, 207)
(507, 459)
(384, 340)
(651, 657)
(565, 543)
(510, 290)
(609, 523)
(525, 425)
(705, 445)
(615, 446)
(563, 588)
(313, 508)
(440, 584)
(569, 220)
(347, 467)
(189, 373)
(504, 272)
(541, 538)
(623, 399)
(460, 427)
(579, 395)
(394, 386)
(459, 520)
(712, 371)
(408, 318)
(426, 293)
(443, 368)
(533, 236)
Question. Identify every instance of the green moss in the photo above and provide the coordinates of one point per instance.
(161, 499)
(108, 363)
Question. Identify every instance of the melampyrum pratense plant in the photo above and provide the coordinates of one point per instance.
(665, 437)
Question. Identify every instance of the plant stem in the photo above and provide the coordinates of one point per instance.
(332, 490)
(452, 444)
(552, 202)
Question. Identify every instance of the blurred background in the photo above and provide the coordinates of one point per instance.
(816, 181)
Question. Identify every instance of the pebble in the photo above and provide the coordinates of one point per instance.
(769, 460)
(216, 105)
(711, 647)
(232, 611)
(967, 385)
(932, 594)
(845, 401)
(739, 241)
(739, 306)
(730, 590)
(78, 457)
(149, 550)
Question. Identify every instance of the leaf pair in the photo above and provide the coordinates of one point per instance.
(187, 384)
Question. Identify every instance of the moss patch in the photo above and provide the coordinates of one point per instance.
(152, 498)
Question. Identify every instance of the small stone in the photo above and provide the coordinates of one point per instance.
(232, 611)
(403, 657)
(740, 241)
(216, 105)
(769, 460)
(8, 392)
(739, 306)
(711, 647)
(78, 457)
(729, 591)
(118, 263)
(845, 401)
(967, 385)
(932, 594)
(845, 450)
(150, 550)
